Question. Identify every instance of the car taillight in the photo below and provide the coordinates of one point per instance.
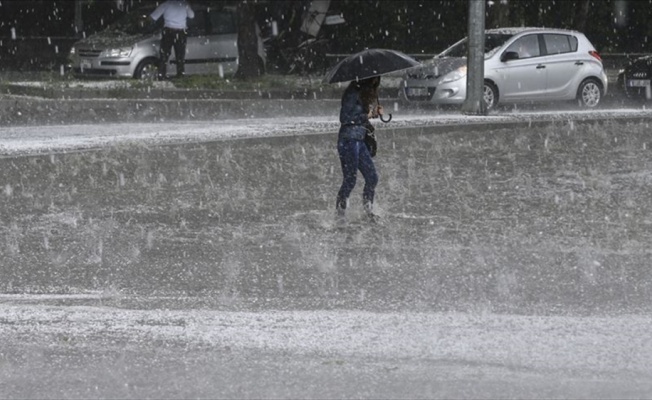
(595, 54)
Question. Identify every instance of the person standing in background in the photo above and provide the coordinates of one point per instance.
(175, 14)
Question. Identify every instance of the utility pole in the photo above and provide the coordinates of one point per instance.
(474, 103)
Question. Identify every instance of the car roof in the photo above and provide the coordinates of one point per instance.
(517, 30)
(195, 5)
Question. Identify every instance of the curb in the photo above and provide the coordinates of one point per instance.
(150, 93)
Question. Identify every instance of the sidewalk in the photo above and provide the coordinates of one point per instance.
(36, 102)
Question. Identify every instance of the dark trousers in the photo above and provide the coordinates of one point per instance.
(176, 38)
(354, 157)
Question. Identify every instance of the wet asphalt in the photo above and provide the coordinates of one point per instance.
(544, 221)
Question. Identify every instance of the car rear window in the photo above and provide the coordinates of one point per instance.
(557, 44)
(197, 25)
(222, 22)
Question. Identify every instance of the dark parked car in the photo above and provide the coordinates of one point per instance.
(635, 78)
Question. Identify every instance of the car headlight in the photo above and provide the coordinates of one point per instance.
(455, 75)
(120, 52)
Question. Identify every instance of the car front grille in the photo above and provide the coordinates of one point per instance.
(638, 75)
(89, 53)
(421, 76)
(424, 97)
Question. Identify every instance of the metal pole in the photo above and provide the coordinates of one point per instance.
(474, 103)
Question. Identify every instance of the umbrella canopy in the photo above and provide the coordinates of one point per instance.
(369, 63)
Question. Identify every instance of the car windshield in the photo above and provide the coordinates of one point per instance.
(136, 22)
(492, 41)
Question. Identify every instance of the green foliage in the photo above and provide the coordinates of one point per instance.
(419, 26)
(412, 26)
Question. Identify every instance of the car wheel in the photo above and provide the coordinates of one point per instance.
(147, 70)
(490, 95)
(589, 93)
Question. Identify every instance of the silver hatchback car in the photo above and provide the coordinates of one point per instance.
(522, 65)
(129, 48)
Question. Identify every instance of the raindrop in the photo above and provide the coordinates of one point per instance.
(150, 239)
(13, 33)
(279, 281)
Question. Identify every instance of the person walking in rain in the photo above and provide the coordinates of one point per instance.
(357, 108)
(175, 14)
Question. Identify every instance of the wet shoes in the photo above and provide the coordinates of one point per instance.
(374, 218)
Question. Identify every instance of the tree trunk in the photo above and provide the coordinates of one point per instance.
(79, 21)
(582, 15)
(249, 63)
(498, 14)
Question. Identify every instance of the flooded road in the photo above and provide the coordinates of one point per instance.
(510, 261)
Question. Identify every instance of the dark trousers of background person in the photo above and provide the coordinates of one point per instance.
(176, 38)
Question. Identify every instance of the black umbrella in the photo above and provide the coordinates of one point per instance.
(369, 63)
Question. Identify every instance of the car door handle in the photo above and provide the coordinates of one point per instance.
(579, 62)
(540, 66)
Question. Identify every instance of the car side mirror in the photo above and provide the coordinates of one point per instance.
(509, 55)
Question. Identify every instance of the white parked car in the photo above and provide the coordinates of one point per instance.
(129, 48)
(521, 65)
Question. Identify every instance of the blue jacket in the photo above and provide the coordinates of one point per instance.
(353, 115)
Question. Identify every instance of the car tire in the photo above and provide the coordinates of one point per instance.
(490, 95)
(589, 94)
(147, 70)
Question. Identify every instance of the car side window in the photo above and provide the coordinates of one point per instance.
(197, 25)
(222, 22)
(526, 47)
(558, 44)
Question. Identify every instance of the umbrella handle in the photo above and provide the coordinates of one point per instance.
(386, 120)
(381, 116)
